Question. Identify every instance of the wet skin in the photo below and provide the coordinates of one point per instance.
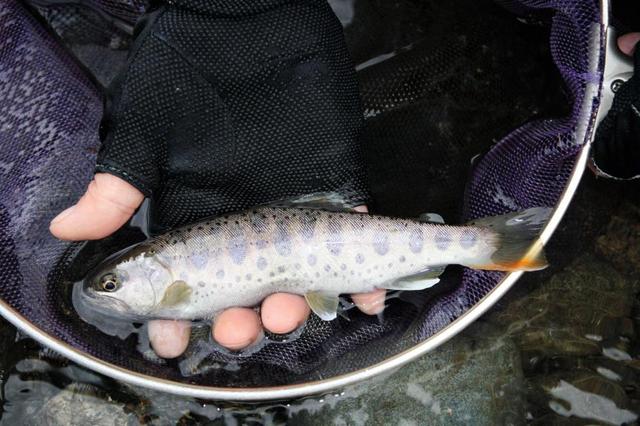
(110, 202)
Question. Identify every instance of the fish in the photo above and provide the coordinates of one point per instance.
(196, 271)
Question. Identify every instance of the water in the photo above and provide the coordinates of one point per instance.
(563, 347)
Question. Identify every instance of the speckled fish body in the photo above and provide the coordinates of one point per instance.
(237, 260)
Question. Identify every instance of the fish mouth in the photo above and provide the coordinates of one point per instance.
(89, 302)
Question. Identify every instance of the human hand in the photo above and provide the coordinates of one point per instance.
(202, 130)
(627, 43)
(110, 202)
(615, 152)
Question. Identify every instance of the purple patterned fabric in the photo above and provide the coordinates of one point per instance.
(49, 114)
(49, 118)
(531, 166)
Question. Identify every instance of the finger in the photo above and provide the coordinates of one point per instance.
(371, 303)
(107, 205)
(283, 312)
(627, 42)
(237, 328)
(169, 339)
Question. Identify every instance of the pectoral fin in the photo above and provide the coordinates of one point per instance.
(178, 292)
(323, 305)
(419, 281)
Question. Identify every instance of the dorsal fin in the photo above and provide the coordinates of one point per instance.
(431, 218)
(331, 201)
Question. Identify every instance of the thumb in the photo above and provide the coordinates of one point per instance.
(107, 205)
(627, 42)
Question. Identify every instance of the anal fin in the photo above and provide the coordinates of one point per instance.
(419, 281)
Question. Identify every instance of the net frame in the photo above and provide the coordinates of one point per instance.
(573, 157)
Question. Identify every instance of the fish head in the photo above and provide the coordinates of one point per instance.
(129, 284)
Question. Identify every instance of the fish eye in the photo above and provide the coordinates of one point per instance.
(109, 282)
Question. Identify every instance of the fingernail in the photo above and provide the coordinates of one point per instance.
(63, 215)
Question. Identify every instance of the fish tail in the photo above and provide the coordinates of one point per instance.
(515, 238)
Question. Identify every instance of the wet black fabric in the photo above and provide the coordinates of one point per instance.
(229, 104)
(616, 148)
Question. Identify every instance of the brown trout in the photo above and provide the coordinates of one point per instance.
(237, 260)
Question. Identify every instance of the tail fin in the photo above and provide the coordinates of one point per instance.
(516, 240)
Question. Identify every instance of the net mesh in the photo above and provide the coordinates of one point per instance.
(441, 83)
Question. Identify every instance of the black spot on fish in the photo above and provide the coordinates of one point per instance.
(402, 259)
(248, 277)
(360, 258)
(381, 243)
(259, 224)
(201, 284)
(442, 239)
(312, 259)
(327, 268)
(220, 274)
(343, 267)
(281, 269)
(416, 240)
(468, 238)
